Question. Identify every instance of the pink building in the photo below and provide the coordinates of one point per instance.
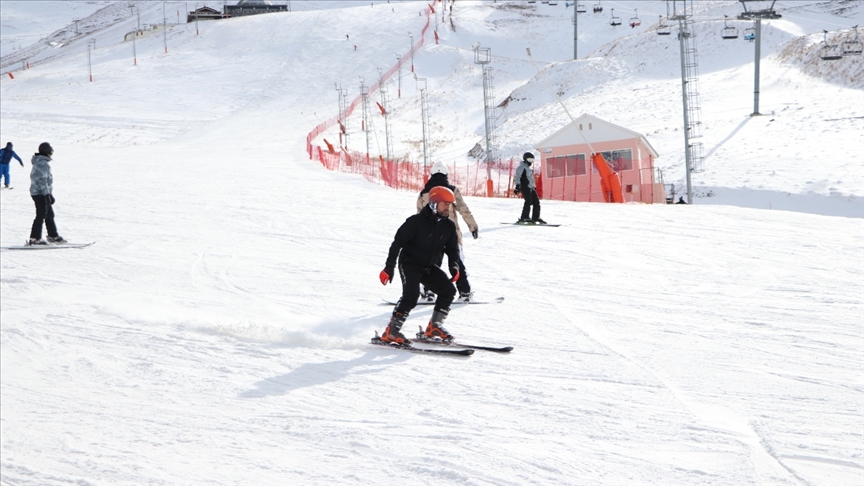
(567, 172)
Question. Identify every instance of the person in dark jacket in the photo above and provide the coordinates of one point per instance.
(41, 188)
(418, 248)
(6, 155)
(524, 179)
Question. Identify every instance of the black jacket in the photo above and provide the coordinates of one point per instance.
(423, 239)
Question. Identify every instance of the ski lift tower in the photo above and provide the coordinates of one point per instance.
(756, 14)
(482, 56)
(683, 13)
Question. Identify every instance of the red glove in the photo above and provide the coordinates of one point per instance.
(455, 277)
(385, 277)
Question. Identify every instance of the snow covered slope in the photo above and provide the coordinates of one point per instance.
(217, 332)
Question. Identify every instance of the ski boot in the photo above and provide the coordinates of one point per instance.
(435, 329)
(524, 221)
(57, 240)
(539, 221)
(36, 241)
(465, 296)
(427, 295)
(392, 334)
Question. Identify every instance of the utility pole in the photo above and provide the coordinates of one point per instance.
(575, 27)
(164, 29)
(399, 76)
(90, 47)
(411, 36)
(385, 112)
(364, 94)
(757, 15)
(134, 39)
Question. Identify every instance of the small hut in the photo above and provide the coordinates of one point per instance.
(568, 171)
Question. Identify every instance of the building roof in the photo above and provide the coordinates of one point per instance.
(254, 2)
(600, 131)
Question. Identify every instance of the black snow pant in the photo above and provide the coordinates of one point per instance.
(531, 199)
(433, 278)
(44, 213)
(462, 284)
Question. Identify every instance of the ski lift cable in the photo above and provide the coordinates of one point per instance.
(557, 98)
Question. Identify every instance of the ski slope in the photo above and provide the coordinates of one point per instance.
(217, 331)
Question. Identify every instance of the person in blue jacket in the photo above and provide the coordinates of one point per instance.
(6, 155)
(41, 188)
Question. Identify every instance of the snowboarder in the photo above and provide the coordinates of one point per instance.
(439, 179)
(419, 247)
(681, 200)
(41, 188)
(6, 155)
(524, 179)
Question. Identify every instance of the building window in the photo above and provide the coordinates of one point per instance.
(618, 160)
(565, 165)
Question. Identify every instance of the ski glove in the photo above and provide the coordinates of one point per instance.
(455, 276)
(385, 276)
(475, 233)
(50, 199)
(516, 190)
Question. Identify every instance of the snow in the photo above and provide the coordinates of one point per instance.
(217, 331)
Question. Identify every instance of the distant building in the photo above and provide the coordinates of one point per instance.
(253, 7)
(204, 13)
(568, 173)
(243, 7)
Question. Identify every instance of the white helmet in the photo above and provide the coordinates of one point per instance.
(439, 168)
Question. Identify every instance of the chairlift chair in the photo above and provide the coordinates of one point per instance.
(635, 22)
(853, 47)
(580, 8)
(614, 20)
(830, 52)
(730, 32)
(663, 29)
(598, 8)
(553, 3)
(750, 34)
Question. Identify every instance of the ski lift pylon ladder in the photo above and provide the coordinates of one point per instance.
(663, 29)
(614, 20)
(729, 32)
(634, 21)
(830, 52)
(853, 47)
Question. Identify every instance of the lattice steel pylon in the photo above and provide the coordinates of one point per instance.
(483, 56)
(424, 114)
(385, 112)
(692, 107)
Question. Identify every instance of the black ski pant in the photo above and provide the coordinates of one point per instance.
(44, 213)
(462, 284)
(433, 278)
(531, 199)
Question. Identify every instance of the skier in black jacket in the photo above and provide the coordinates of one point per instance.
(419, 248)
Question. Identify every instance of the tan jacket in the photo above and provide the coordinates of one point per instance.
(459, 206)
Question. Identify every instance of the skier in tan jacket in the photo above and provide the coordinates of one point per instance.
(438, 177)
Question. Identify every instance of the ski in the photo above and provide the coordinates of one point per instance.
(533, 224)
(421, 338)
(454, 352)
(50, 246)
(496, 300)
